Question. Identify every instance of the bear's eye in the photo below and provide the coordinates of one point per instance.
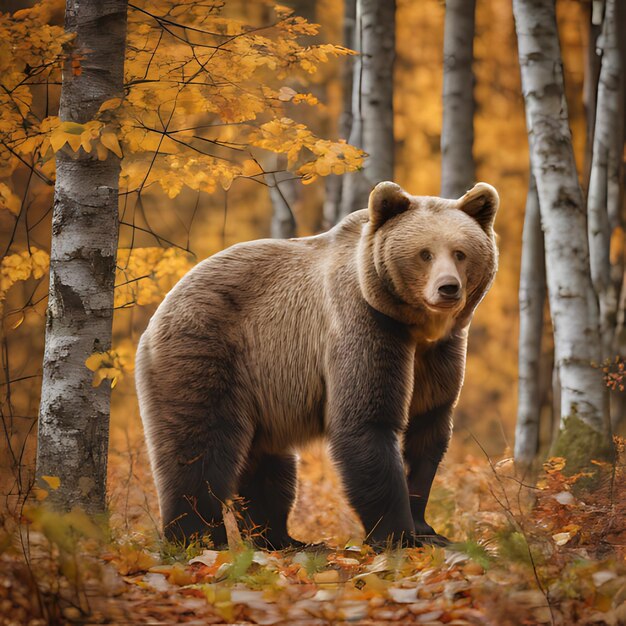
(459, 256)
(426, 255)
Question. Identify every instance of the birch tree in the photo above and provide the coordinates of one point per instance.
(604, 197)
(592, 11)
(74, 415)
(457, 133)
(372, 100)
(334, 183)
(573, 303)
(283, 195)
(531, 303)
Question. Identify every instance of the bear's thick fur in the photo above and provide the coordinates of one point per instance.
(357, 335)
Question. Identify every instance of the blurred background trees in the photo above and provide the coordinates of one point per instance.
(221, 101)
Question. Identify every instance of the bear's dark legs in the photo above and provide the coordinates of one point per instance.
(366, 411)
(268, 489)
(425, 443)
(420, 479)
(191, 507)
(370, 464)
(199, 474)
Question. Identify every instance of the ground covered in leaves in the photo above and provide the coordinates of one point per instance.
(544, 550)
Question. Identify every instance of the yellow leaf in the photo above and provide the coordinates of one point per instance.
(71, 128)
(8, 200)
(53, 481)
(327, 577)
(132, 559)
(250, 168)
(40, 261)
(85, 142)
(554, 464)
(112, 103)
(374, 583)
(57, 140)
(40, 494)
(103, 373)
(305, 97)
(74, 141)
(94, 361)
(102, 152)
(110, 141)
(323, 167)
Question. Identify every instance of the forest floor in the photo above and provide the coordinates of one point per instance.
(551, 550)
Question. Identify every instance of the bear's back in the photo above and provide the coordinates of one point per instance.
(253, 320)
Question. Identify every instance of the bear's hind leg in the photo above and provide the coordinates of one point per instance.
(268, 489)
(195, 409)
(197, 470)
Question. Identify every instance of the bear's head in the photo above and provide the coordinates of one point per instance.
(428, 261)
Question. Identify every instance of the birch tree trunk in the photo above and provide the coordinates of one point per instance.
(532, 291)
(334, 183)
(457, 132)
(593, 17)
(615, 207)
(603, 199)
(74, 415)
(283, 195)
(372, 101)
(573, 303)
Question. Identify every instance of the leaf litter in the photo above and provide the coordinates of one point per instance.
(546, 551)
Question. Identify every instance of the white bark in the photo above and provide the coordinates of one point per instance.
(74, 416)
(283, 195)
(591, 75)
(457, 132)
(334, 182)
(573, 303)
(372, 101)
(532, 291)
(603, 196)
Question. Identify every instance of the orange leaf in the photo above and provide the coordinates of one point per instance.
(110, 141)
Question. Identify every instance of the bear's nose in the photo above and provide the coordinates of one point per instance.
(451, 290)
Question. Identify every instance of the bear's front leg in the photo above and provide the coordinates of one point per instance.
(370, 465)
(367, 409)
(425, 443)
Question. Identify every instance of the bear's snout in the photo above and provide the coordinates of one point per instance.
(449, 289)
(445, 291)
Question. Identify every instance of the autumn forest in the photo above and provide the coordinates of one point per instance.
(369, 402)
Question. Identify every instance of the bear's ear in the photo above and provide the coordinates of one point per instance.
(481, 202)
(387, 200)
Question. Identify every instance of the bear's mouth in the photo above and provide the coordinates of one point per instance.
(445, 304)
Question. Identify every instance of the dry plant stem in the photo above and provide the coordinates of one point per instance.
(517, 523)
(602, 201)
(573, 303)
(532, 291)
(74, 416)
(372, 101)
(457, 133)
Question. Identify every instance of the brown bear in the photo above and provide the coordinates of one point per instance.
(357, 335)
